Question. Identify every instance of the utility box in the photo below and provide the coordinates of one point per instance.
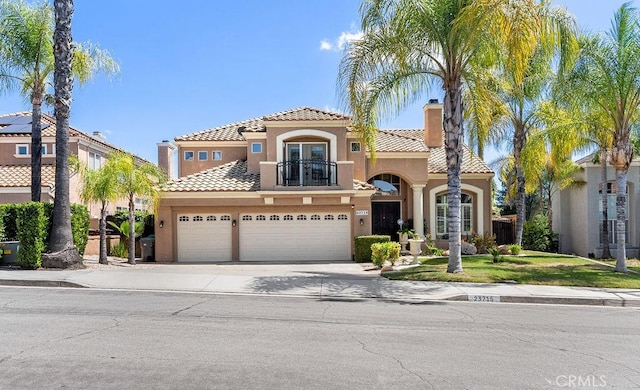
(148, 248)
(9, 252)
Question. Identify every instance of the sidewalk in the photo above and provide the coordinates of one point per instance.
(345, 280)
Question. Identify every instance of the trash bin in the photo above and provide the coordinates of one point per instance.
(148, 248)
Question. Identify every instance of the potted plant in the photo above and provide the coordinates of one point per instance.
(405, 233)
(415, 247)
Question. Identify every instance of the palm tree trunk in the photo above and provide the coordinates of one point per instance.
(606, 252)
(621, 216)
(132, 231)
(518, 145)
(453, 148)
(102, 258)
(61, 239)
(36, 144)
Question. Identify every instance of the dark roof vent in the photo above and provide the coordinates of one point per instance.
(242, 129)
(433, 101)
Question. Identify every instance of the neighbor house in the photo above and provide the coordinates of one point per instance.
(577, 211)
(15, 161)
(299, 185)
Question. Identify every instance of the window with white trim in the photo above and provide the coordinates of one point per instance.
(203, 155)
(612, 217)
(188, 155)
(442, 214)
(44, 150)
(256, 147)
(216, 155)
(22, 150)
(95, 160)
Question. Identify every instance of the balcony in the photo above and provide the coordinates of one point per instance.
(306, 173)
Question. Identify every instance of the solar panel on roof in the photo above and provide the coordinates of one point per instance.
(24, 128)
(15, 120)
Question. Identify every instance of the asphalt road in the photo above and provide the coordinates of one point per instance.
(90, 339)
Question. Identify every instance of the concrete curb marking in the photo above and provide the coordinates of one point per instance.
(621, 302)
(39, 283)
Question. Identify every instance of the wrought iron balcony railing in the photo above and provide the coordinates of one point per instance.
(306, 173)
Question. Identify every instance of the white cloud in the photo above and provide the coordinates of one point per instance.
(325, 45)
(341, 42)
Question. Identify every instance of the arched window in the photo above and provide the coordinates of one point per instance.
(442, 213)
(387, 184)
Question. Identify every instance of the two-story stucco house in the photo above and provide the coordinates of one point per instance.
(298, 185)
(15, 160)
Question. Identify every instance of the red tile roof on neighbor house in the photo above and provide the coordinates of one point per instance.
(20, 175)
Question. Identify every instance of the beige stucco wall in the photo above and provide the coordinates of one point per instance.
(413, 170)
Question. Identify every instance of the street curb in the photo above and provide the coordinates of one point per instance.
(556, 300)
(39, 283)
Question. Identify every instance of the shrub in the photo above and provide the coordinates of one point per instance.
(431, 248)
(9, 222)
(120, 250)
(80, 226)
(515, 249)
(483, 241)
(363, 246)
(385, 251)
(2, 213)
(536, 234)
(32, 223)
(495, 253)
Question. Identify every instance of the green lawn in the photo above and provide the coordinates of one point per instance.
(531, 268)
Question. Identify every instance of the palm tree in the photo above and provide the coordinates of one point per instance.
(61, 246)
(136, 179)
(609, 72)
(27, 61)
(98, 186)
(409, 44)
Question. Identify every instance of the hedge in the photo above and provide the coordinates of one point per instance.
(30, 223)
(363, 246)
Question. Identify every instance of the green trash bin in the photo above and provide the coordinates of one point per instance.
(9, 253)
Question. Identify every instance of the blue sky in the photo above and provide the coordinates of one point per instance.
(199, 63)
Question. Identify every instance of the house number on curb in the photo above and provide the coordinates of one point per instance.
(362, 212)
(484, 298)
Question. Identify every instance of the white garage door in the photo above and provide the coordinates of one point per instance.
(204, 237)
(295, 237)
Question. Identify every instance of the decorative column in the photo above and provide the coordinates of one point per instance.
(418, 215)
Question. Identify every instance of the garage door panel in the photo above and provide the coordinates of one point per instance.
(295, 237)
(204, 238)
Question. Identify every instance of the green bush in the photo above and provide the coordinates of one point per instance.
(536, 234)
(120, 250)
(385, 251)
(363, 246)
(80, 226)
(515, 249)
(495, 253)
(9, 222)
(483, 242)
(430, 247)
(2, 213)
(32, 223)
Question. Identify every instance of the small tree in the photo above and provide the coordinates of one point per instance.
(136, 178)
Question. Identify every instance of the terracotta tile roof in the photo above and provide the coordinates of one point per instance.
(233, 131)
(20, 175)
(361, 185)
(399, 141)
(232, 176)
(471, 163)
(305, 114)
(48, 124)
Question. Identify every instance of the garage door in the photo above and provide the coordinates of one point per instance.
(295, 237)
(204, 237)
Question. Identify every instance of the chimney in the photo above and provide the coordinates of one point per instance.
(433, 124)
(165, 157)
(99, 136)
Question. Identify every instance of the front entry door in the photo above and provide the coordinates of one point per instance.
(385, 216)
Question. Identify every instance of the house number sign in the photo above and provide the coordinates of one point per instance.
(362, 212)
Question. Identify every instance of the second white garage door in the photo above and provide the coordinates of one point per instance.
(204, 238)
(295, 237)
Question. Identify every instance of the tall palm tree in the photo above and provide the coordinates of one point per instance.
(98, 186)
(136, 179)
(609, 72)
(61, 239)
(27, 62)
(409, 44)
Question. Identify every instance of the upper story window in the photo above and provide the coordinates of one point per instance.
(203, 155)
(22, 150)
(44, 150)
(216, 155)
(95, 161)
(188, 156)
(256, 147)
(356, 146)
